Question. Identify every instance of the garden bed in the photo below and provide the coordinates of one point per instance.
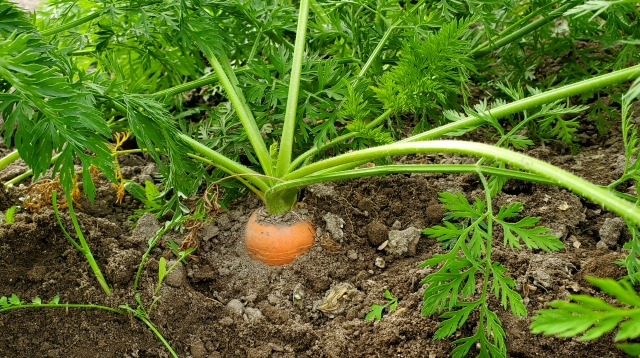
(223, 304)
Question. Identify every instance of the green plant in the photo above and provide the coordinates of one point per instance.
(453, 287)
(163, 271)
(592, 316)
(143, 314)
(281, 176)
(13, 302)
(152, 242)
(81, 244)
(148, 195)
(308, 95)
(9, 214)
(377, 310)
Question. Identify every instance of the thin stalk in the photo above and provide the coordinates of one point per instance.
(27, 174)
(213, 77)
(321, 15)
(517, 160)
(81, 53)
(82, 246)
(302, 157)
(479, 52)
(384, 39)
(8, 159)
(487, 258)
(71, 24)
(591, 84)
(225, 162)
(513, 26)
(409, 169)
(254, 48)
(206, 161)
(61, 305)
(240, 179)
(246, 118)
(289, 126)
(157, 333)
(226, 66)
(152, 243)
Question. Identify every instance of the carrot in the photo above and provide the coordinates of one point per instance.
(277, 244)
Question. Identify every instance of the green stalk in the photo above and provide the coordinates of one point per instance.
(157, 333)
(481, 51)
(591, 84)
(336, 140)
(513, 26)
(71, 24)
(81, 53)
(289, 126)
(226, 66)
(8, 159)
(61, 305)
(517, 160)
(487, 258)
(27, 174)
(321, 15)
(246, 118)
(217, 158)
(82, 246)
(152, 243)
(237, 176)
(408, 169)
(209, 162)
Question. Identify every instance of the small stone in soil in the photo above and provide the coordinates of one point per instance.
(334, 225)
(322, 191)
(177, 277)
(610, 232)
(145, 229)
(198, 350)
(380, 262)
(252, 313)
(376, 232)
(236, 307)
(208, 231)
(403, 242)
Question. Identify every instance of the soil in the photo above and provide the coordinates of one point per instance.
(223, 304)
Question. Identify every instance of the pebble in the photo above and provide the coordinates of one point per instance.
(253, 313)
(177, 277)
(352, 254)
(403, 242)
(380, 262)
(236, 307)
(226, 321)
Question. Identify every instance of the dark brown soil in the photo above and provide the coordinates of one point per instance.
(225, 305)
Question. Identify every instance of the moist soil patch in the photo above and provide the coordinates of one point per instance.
(223, 304)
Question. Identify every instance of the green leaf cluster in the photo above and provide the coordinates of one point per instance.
(48, 111)
(376, 310)
(14, 301)
(432, 72)
(592, 317)
(453, 288)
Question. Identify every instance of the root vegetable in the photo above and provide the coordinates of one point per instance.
(277, 244)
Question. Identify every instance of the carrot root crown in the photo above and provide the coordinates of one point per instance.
(277, 244)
